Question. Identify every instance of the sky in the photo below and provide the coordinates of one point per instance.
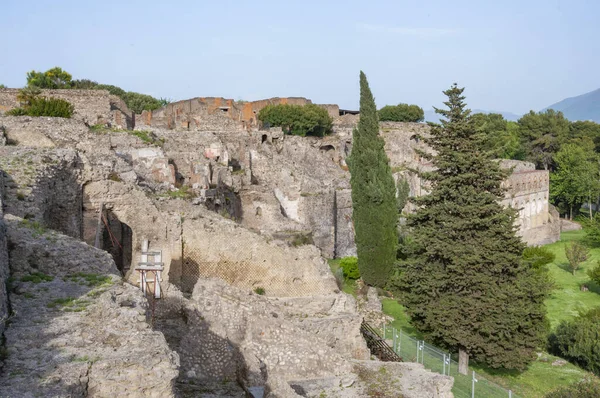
(511, 55)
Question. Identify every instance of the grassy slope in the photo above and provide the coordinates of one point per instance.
(565, 302)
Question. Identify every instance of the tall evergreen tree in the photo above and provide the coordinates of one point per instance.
(373, 195)
(465, 285)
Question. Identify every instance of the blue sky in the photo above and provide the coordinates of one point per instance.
(511, 55)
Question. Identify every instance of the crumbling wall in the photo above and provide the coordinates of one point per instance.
(286, 347)
(43, 185)
(91, 106)
(4, 270)
(76, 329)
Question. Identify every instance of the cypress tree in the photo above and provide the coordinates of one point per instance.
(465, 285)
(373, 195)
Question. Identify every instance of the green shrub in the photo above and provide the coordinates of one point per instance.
(297, 119)
(583, 389)
(350, 267)
(260, 291)
(594, 273)
(537, 257)
(401, 113)
(41, 106)
(578, 340)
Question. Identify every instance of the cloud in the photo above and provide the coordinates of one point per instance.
(424, 33)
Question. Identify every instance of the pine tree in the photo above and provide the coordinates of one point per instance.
(465, 285)
(373, 195)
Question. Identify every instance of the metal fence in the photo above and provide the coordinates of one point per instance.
(465, 386)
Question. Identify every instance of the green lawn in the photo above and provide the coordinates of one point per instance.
(566, 301)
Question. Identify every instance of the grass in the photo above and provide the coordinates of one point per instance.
(567, 299)
(38, 229)
(565, 302)
(144, 135)
(91, 280)
(37, 277)
(69, 304)
(182, 193)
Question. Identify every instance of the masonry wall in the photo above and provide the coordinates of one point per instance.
(4, 267)
(91, 106)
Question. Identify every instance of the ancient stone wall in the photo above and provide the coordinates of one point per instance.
(528, 192)
(77, 330)
(200, 113)
(4, 269)
(43, 185)
(91, 106)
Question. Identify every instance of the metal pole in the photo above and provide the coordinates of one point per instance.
(444, 372)
(509, 394)
(384, 331)
(474, 380)
(417, 351)
(400, 342)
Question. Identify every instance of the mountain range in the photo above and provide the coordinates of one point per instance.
(582, 107)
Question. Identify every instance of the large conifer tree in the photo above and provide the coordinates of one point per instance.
(373, 195)
(465, 286)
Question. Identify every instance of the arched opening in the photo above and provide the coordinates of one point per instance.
(263, 139)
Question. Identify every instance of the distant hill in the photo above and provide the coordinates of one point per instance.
(582, 107)
(431, 116)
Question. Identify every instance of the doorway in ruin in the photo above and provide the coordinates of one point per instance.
(117, 239)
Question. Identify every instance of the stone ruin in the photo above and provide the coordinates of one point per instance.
(236, 211)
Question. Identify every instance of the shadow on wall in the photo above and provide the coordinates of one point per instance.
(55, 202)
(117, 239)
(205, 357)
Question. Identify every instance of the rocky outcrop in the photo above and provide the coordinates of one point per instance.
(76, 329)
(286, 347)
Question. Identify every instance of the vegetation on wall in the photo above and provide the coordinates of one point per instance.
(300, 120)
(374, 207)
(401, 113)
(34, 105)
(465, 272)
(56, 78)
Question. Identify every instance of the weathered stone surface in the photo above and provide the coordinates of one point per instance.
(75, 333)
(4, 269)
(43, 185)
(91, 106)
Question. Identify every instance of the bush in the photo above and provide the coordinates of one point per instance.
(350, 267)
(584, 389)
(297, 119)
(537, 257)
(41, 106)
(578, 341)
(401, 113)
(594, 273)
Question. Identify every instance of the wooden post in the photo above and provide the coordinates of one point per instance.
(99, 226)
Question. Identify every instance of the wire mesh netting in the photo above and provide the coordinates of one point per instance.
(439, 361)
(272, 276)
